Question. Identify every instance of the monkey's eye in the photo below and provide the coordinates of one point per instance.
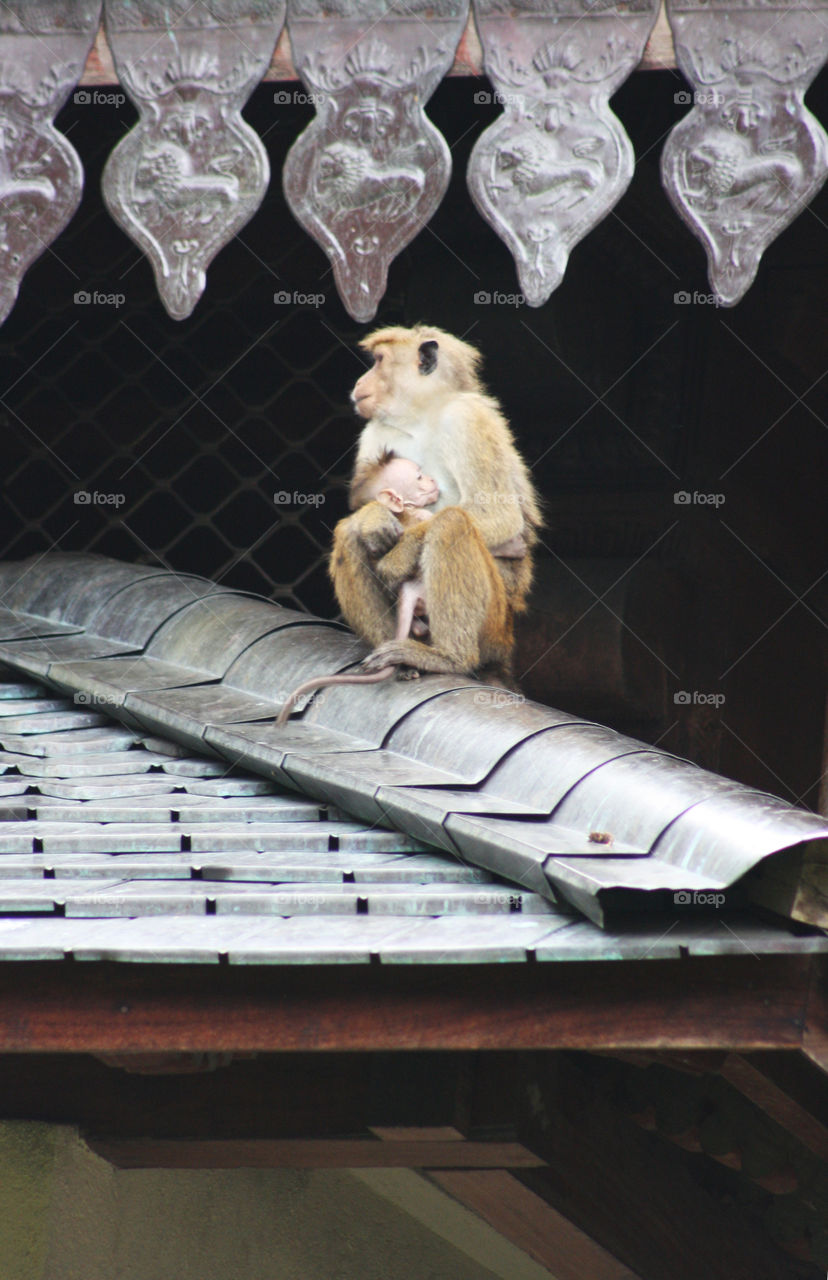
(378, 359)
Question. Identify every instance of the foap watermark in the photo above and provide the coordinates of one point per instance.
(498, 698)
(513, 901)
(485, 499)
(684, 498)
(85, 299)
(684, 298)
(95, 700)
(684, 898)
(284, 498)
(484, 97)
(684, 98)
(483, 298)
(95, 98)
(286, 98)
(685, 698)
(85, 498)
(284, 298)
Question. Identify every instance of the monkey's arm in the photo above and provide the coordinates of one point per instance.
(367, 606)
(377, 528)
(403, 560)
(491, 477)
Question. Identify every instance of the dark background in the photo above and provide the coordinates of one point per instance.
(619, 397)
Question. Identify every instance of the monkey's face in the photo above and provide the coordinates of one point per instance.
(406, 376)
(404, 478)
(376, 390)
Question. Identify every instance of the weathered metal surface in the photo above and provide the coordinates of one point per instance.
(541, 770)
(52, 722)
(135, 612)
(467, 752)
(352, 780)
(273, 666)
(187, 713)
(370, 169)
(20, 689)
(191, 173)
(729, 935)
(727, 834)
(263, 748)
(590, 883)
(43, 49)
(27, 626)
(568, 809)
(35, 896)
(92, 764)
(745, 161)
(36, 656)
(71, 742)
(558, 159)
(69, 586)
(521, 851)
(105, 682)
(633, 799)
(424, 810)
(371, 713)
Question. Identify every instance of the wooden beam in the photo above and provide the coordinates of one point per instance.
(815, 1031)
(534, 1226)
(777, 1103)
(722, 1002)
(634, 1193)
(310, 1153)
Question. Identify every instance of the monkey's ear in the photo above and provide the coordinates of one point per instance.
(427, 361)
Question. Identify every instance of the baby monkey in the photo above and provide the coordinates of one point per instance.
(400, 486)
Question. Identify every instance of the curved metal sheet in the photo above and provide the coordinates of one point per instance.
(726, 835)
(486, 723)
(423, 811)
(49, 584)
(303, 647)
(633, 798)
(211, 633)
(65, 582)
(352, 779)
(371, 712)
(135, 611)
(541, 770)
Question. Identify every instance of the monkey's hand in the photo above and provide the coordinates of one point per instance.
(377, 528)
(389, 653)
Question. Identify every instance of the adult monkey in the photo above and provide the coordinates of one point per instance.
(423, 399)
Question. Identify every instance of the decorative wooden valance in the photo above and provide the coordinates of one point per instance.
(371, 169)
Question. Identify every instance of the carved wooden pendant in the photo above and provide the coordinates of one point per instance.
(192, 172)
(558, 159)
(370, 169)
(43, 49)
(749, 156)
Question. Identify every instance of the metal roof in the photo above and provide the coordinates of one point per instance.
(505, 787)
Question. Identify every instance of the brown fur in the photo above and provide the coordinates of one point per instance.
(457, 434)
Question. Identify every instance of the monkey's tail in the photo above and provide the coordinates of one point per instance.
(323, 682)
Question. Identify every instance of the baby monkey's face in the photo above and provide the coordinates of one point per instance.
(404, 477)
